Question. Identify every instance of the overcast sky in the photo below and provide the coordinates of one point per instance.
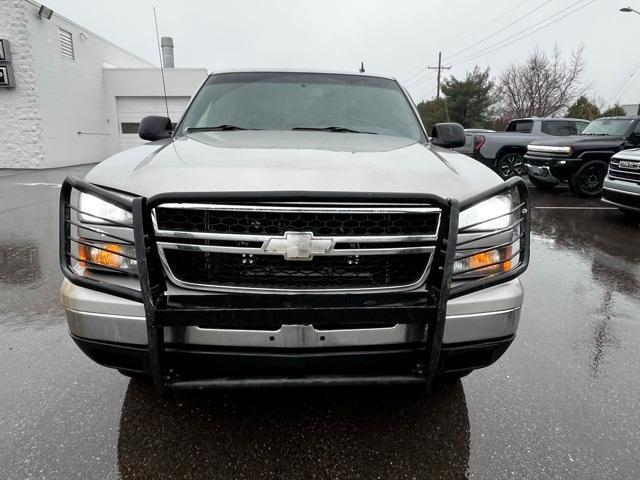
(398, 37)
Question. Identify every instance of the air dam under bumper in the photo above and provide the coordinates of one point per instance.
(265, 367)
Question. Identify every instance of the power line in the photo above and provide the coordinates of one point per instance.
(528, 13)
(503, 28)
(485, 25)
(628, 82)
(498, 46)
(429, 92)
(420, 80)
(501, 44)
(422, 69)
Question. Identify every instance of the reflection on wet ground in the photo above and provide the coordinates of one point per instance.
(335, 433)
(562, 403)
(611, 244)
(19, 264)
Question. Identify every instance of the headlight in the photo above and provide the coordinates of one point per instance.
(108, 255)
(491, 214)
(491, 253)
(486, 263)
(549, 149)
(90, 206)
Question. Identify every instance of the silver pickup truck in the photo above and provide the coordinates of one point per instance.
(621, 186)
(504, 151)
(297, 228)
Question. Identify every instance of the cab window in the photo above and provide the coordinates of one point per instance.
(557, 128)
(520, 126)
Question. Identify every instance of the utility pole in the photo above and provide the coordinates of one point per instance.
(439, 68)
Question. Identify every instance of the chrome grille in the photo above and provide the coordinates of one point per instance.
(276, 220)
(621, 169)
(250, 247)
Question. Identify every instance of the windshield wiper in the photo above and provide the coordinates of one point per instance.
(217, 128)
(332, 129)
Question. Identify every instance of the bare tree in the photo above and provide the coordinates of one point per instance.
(542, 86)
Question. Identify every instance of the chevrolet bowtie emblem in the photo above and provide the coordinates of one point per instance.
(298, 245)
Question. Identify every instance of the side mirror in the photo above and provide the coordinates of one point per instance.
(154, 128)
(448, 135)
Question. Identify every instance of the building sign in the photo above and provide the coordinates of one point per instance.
(4, 76)
(5, 51)
(6, 70)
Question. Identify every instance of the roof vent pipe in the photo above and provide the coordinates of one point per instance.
(167, 52)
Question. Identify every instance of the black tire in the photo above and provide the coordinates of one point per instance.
(587, 181)
(510, 164)
(540, 185)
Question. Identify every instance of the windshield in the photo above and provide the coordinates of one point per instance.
(305, 101)
(607, 126)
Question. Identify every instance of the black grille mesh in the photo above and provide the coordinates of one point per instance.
(628, 200)
(277, 223)
(267, 271)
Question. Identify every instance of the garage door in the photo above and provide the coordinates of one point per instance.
(133, 109)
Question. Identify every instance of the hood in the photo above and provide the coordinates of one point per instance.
(578, 141)
(633, 154)
(271, 161)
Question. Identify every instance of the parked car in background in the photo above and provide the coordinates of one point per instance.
(581, 161)
(469, 134)
(622, 184)
(504, 151)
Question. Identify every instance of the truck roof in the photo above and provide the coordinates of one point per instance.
(301, 70)
(550, 118)
(622, 117)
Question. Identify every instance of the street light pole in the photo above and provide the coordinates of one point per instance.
(629, 10)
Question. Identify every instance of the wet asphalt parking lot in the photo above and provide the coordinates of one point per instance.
(564, 401)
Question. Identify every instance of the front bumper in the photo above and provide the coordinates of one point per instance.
(624, 195)
(541, 173)
(552, 170)
(490, 313)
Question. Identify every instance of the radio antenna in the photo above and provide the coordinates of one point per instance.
(164, 86)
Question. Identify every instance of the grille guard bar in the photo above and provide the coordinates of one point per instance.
(426, 307)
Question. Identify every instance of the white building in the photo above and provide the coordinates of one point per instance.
(76, 98)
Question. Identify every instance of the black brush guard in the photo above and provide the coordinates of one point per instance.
(426, 307)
